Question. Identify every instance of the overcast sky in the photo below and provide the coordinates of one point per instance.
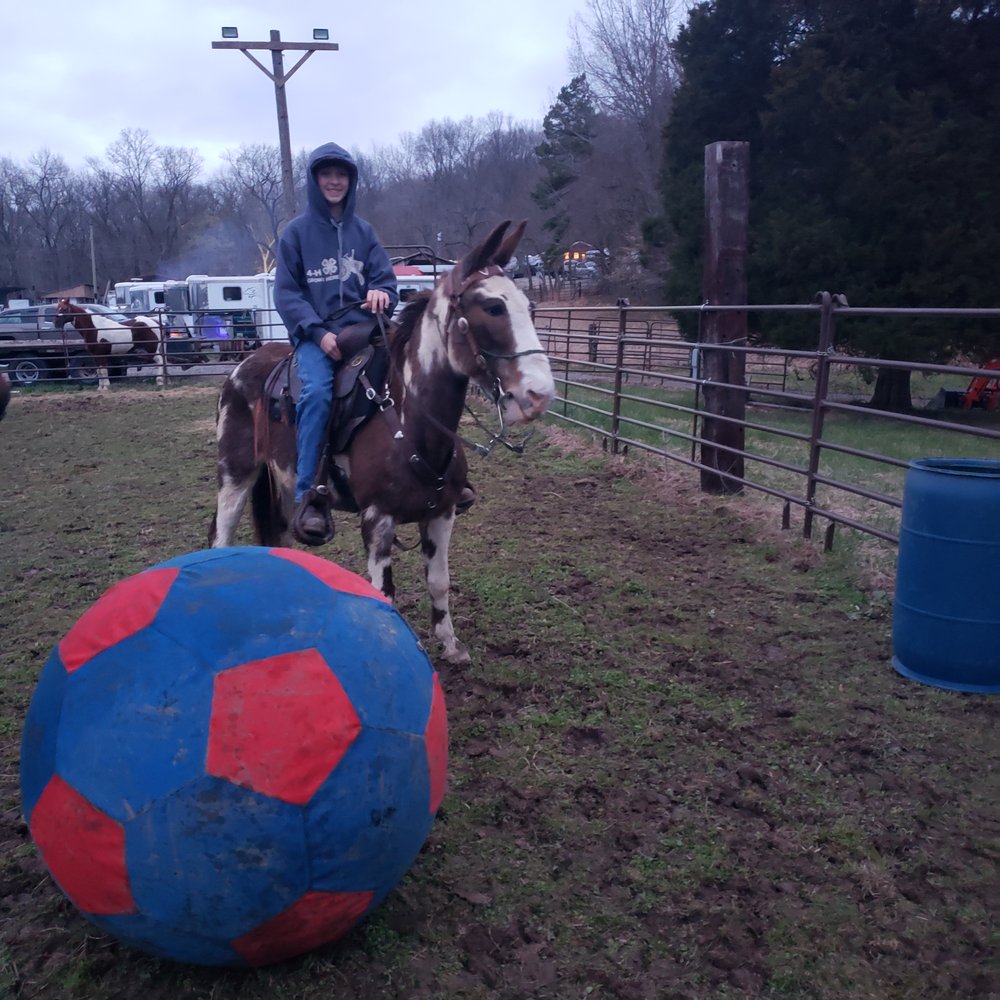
(73, 75)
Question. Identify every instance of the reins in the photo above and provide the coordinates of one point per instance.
(437, 479)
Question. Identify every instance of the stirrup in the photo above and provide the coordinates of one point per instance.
(312, 523)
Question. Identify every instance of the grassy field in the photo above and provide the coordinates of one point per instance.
(682, 765)
(658, 417)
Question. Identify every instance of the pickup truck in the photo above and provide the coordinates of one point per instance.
(33, 349)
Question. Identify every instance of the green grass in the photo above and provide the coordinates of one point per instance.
(650, 419)
(679, 756)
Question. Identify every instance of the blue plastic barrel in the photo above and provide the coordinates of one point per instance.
(946, 615)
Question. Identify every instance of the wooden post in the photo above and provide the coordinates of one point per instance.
(724, 283)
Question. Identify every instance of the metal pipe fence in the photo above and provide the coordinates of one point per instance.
(625, 374)
(813, 438)
(205, 349)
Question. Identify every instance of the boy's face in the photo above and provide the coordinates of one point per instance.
(333, 181)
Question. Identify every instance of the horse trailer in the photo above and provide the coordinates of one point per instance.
(240, 307)
(138, 296)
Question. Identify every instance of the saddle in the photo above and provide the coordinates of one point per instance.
(358, 384)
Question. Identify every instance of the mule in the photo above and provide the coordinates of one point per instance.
(109, 340)
(406, 464)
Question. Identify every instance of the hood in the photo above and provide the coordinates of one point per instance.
(317, 203)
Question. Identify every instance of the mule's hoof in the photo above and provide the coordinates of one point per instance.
(458, 656)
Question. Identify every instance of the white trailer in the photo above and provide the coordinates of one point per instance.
(243, 304)
(138, 296)
(410, 280)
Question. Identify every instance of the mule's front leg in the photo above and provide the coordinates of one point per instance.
(435, 538)
(378, 531)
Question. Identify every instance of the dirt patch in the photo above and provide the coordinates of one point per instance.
(681, 763)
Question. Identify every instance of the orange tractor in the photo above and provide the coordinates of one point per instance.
(984, 390)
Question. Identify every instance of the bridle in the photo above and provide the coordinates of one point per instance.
(435, 479)
(455, 288)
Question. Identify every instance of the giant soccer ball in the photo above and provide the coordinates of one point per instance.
(232, 757)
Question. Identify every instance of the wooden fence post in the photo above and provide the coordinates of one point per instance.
(724, 283)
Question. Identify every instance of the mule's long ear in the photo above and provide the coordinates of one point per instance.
(484, 254)
(508, 246)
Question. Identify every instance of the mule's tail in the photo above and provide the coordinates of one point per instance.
(270, 527)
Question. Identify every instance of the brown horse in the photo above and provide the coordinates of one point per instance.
(4, 393)
(109, 338)
(406, 464)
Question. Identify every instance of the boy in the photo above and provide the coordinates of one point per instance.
(332, 271)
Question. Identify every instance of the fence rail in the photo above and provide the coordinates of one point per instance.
(812, 437)
(60, 357)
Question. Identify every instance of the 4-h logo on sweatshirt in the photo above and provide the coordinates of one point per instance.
(333, 267)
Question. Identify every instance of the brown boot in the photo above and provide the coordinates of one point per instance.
(465, 499)
(312, 523)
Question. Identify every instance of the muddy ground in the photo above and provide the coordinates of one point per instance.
(682, 765)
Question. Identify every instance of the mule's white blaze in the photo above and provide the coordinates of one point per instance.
(529, 381)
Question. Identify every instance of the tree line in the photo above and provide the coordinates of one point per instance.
(874, 132)
(148, 209)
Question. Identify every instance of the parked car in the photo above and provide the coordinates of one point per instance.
(16, 323)
(581, 269)
(34, 349)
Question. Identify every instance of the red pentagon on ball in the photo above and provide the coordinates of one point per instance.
(314, 920)
(436, 743)
(128, 607)
(84, 849)
(335, 577)
(280, 725)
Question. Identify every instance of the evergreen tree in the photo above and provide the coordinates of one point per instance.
(569, 129)
(875, 132)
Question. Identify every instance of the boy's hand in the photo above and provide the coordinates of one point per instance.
(376, 301)
(328, 345)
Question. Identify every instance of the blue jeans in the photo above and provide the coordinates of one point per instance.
(313, 412)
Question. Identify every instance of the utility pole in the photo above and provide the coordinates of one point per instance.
(93, 262)
(279, 78)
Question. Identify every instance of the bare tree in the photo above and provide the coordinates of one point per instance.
(50, 199)
(133, 157)
(625, 47)
(177, 196)
(251, 194)
(15, 238)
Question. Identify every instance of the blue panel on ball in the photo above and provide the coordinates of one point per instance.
(216, 859)
(135, 723)
(151, 936)
(370, 818)
(38, 741)
(244, 605)
(381, 665)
